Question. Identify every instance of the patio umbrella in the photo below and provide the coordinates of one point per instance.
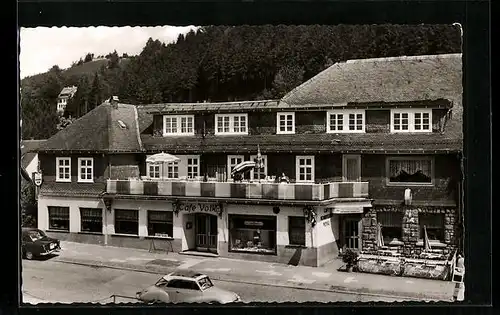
(380, 239)
(427, 244)
(162, 158)
(243, 167)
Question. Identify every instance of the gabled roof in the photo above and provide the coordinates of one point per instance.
(107, 128)
(28, 151)
(383, 80)
(68, 90)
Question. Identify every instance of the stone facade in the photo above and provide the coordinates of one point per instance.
(410, 228)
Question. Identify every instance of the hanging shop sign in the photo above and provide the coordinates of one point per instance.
(38, 179)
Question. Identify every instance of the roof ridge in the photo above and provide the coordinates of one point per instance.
(201, 103)
(402, 58)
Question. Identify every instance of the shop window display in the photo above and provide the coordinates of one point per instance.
(255, 234)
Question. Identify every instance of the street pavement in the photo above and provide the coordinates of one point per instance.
(256, 273)
(55, 282)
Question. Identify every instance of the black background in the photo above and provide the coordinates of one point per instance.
(475, 19)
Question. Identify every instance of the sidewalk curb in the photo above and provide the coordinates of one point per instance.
(337, 289)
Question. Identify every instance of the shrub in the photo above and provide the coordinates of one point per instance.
(350, 257)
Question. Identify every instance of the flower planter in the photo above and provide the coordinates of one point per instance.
(427, 269)
(383, 266)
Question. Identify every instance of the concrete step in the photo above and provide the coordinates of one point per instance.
(200, 254)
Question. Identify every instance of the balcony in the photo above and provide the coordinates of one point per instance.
(239, 190)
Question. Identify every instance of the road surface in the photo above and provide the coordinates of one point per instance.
(53, 282)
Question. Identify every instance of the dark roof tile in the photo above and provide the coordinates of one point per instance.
(387, 80)
(72, 189)
(210, 107)
(303, 143)
(99, 130)
(395, 79)
(30, 145)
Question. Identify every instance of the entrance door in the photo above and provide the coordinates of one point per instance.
(351, 168)
(206, 232)
(350, 233)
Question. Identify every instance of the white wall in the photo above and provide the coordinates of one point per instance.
(74, 205)
(281, 218)
(32, 166)
(327, 231)
(188, 239)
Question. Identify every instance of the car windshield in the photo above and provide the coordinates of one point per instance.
(36, 235)
(161, 282)
(205, 283)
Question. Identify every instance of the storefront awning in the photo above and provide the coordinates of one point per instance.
(349, 207)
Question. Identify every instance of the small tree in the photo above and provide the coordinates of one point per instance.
(64, 122)
(29, 204)
(88, 57)
(114, 60)
(350, 258)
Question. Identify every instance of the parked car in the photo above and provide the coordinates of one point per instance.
(186, 287)
(35, 243)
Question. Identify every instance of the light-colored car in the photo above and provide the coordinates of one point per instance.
(186, 287)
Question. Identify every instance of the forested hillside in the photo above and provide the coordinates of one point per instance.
(221, 63)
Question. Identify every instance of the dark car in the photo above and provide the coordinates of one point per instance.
(35, 243)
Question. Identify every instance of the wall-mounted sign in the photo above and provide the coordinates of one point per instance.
(326, 216)
(161, 235)
(38, 179)
(253, 223)
(199, 207)
(347, 210)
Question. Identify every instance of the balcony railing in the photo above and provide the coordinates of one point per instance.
(240, 190)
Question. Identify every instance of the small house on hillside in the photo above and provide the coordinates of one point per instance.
(62, 100)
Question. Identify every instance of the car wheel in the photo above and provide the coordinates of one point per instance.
(29, 255)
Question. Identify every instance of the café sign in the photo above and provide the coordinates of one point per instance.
(199, 207)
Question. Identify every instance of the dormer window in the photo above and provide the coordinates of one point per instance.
(285, 123)
(231, 124)
(411, 120)
(174, 125)
(345, 121)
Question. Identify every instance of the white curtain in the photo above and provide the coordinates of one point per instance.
(410, 167)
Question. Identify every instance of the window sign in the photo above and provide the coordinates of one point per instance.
(253, 234)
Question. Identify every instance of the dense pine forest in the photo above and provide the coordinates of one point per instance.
(219, 63)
